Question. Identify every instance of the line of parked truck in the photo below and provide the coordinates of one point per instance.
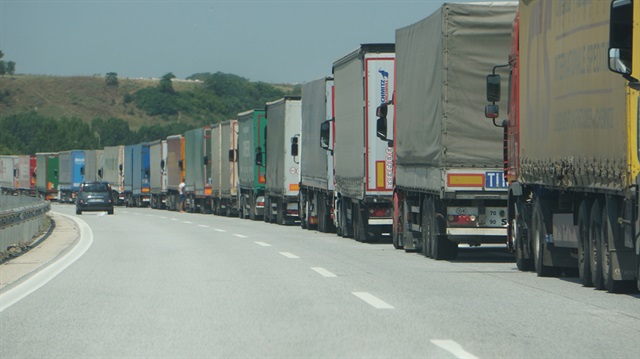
(392, 145)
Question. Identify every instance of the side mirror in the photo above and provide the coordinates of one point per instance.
(618, 62)
(162, 164)
(206, 160)
(120, 168)
(146, 172)
(55, 173)
(180, 165)
(491, 111)
(493, 88)
(294, 146)
(232, 157)
(100, 172)
(325, 134)
(82, 170)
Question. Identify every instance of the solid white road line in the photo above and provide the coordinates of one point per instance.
(373, 300)
(453, 348)
(323, 272)
(289, 255)
(263, 244)
(240, 235)
(49, 272)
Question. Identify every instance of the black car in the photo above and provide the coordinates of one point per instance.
(94, 196)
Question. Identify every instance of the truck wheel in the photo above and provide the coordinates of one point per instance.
(396, 230)
(359, 233)
(252, 209)
(539, 233)
(428, 223)
(595, 242)
(584, 249)
(519, 237)
(280, 212)
(609, 236)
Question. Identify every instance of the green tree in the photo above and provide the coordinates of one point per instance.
(166, 85)
(111, 79)
(11, 67)
(3, 68)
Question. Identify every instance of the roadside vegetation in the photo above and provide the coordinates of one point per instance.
(50, 114)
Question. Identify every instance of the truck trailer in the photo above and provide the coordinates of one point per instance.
(282, 186)
(363, 79)
(174, 168)
(316, 169)
(158, 175)
(110, 169)
(136, 175)
(71, 174)
(197, 152)
(224, 157)
(47, 167)
(251, 170)
(449, 186)
(572, 154)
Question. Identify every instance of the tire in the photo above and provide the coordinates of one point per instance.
(519, 237)
(584, 249)
(304, 211)
(428, 222)
(359, 230)
(595, 242)
(252, 209)
(398, 221)
(539, 232)
(78, 212)
(110, 211)
(608, 236)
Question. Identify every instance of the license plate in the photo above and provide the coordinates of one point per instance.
(94, 200)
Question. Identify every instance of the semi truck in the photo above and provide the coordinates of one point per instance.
(316, 170)
(174, 168)
(224, 166)
(47, 167)
(197, 152)
(363, 79)
(251, 171)
(158, 175)
(573, 200)
(8, 179)
(136, 175)
(110, 169)
(449, 187)
(282, 185)
(71, 174)
(624, 59)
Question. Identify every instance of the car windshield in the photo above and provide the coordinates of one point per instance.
(95, 187)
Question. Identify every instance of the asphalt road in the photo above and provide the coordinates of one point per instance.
(151, 283)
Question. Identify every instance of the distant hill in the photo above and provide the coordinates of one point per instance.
(89, 97)
(48, 113)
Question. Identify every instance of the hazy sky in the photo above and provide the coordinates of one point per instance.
(278, 41)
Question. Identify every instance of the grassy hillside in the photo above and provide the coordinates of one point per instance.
(86, 98)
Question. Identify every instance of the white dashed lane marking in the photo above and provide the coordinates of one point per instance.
(240, 235)
(323, 272)
(373, 300)
(203, 226)
(263, 244)
(453, 348)
(289, 255)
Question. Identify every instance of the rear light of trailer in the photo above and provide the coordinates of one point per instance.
(462, 220)
(380, 212)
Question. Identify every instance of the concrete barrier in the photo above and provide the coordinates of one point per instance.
(21, 219)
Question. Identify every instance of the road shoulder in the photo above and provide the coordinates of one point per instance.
(63, 237)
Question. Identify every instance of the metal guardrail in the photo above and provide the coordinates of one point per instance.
(21, 218)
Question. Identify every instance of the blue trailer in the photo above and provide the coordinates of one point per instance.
(71, 174)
